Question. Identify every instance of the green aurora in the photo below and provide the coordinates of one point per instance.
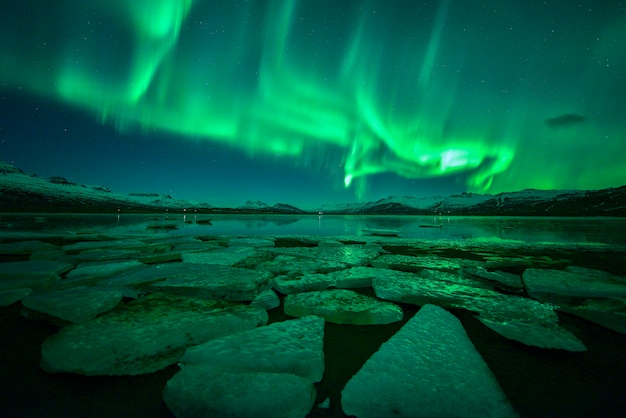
(499, 95)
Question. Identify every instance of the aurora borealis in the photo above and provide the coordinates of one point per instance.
(337, 99)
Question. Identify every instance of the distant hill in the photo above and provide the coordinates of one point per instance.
(605, 202)
(24, 192)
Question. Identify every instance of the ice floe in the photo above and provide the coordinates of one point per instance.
(11, 296)
(429, 368)
(342, 306)
(77, 304)
(267, 299)
(222, 256)
(508, 280)
(90, 273)
(418, 263)
(215, 282)
(25, 247)
(557, 284)
(265, 372)
(35, 274)
(144, 336)
(518, 318)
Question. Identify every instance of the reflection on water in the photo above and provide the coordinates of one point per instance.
(526, 229)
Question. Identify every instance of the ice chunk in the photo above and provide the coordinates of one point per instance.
(10, 296)
(216, 282)
(416, 264)
(264, 372)
(207, 393)
(266, 300)
(286, 264)
(342, 306)
(222, 256)
(250, 242)
(144, 336)
(77, 304)
(512, 316)
(429, 368)
(550, 284)
(506, 279)
(13, 269)
(610, 312)
(36, 274)
(546, 336)
(25, 247)
(294, 346)
(297, 283)
(357, 277)
(101, 244)
(350, 255)
(92, 272)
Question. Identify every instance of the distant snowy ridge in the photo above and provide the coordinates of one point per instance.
(23, 192)
(530, 202)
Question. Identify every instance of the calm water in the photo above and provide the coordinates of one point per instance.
(527, 229)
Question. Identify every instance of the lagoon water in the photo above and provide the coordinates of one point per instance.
(530, 230)
(537, 381)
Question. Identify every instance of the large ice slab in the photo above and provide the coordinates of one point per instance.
(14, 269)
(304, 282)
(357, 277)
(114, 244)
(342, 306)
(77, 304)
(429, 368)
(25, 247)
(264, 372)
(221, 256)
(351, 278)
(288, 264)
(294, 346)
(247, 395)
(250, 242)
(89, 273)
(576, 283)
(418, 263)
(144, 336)
(10, 296)
(216, 282)
(522, 319)
(508, 280)
(324, 256)
(35, 274)
(610, 312)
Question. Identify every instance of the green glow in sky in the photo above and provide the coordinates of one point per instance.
(451, 88)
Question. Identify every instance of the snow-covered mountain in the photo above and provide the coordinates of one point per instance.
(262, 207)
(23, 192)
(606, 202)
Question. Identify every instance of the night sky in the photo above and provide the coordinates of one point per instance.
(315, 101)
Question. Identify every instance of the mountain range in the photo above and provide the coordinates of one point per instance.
(24, 192)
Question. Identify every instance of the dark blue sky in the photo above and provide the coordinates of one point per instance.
(311, 102)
